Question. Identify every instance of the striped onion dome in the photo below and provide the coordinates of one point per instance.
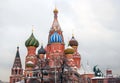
(41, 50)
(55, 38)
(32, 41)
(73, 41)
(69, 50)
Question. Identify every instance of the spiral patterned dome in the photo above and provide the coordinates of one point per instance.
(41, 50)
(73, 42)
(69, 50)
(55, 38)
(32, 41)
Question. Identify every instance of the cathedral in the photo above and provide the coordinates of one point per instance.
(51, 64)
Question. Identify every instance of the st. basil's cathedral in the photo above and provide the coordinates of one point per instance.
(53, 63)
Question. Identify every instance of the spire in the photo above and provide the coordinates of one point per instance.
(55, 25)
(17, 61)
(55, 11)
(73, 36)
(17, 53)
(32, 28)
(16, 70)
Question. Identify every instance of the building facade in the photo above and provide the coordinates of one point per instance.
(52, 64)
(17, 70)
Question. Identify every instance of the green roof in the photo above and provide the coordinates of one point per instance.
(32, 41)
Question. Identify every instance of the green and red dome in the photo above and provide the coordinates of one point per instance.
(32, 41)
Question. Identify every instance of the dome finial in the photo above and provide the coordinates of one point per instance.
(68, 42)
(72, 35)
(55, 21)
(17, 48)
(32, 28)
(55, 13)
(41, 44)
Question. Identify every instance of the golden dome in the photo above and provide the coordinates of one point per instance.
(55, 10)
(69, 50)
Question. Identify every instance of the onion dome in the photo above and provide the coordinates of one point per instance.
(55, 10)
(55, 38)
(41, 50)
(69, 50)
(73, 41)
(32, 41)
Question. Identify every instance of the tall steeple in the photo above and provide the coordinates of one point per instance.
(16, 71)
(17, 62)
(55, 30)
(55, 25)
(55, 47)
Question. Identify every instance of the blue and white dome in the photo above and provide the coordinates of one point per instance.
(55, 38)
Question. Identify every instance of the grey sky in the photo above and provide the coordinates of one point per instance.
(95, 24)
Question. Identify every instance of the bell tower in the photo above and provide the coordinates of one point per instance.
(16, 71)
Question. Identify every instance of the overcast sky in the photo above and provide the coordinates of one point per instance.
(95, 24)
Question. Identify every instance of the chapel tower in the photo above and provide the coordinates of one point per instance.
(31, 59)
(76, 56)
(55, 46)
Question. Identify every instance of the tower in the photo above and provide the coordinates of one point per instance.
(109, 73)
(31, 59)
(76, 56)
(16, 71)
(55, 46)
(54, 63)
(41, 53)
(69, 51)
